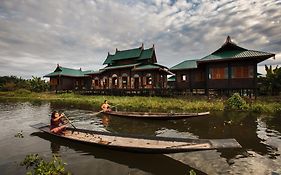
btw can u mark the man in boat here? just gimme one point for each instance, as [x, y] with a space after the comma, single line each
[105, 106]
[57, 124]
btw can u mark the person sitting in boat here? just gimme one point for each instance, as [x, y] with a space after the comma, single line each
[57, 124]
[105, 106]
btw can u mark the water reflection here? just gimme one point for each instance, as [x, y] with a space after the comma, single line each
[105, 121]
[55, 148]
[152, 163]
[238, 125]
[260, 137]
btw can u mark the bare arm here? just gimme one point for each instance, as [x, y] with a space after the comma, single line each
[56, 119]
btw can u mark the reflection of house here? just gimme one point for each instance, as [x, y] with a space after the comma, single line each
[69, 79]
[230, 68]
[130, 71]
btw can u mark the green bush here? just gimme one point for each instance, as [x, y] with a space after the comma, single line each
[257, 108]
[42, 167]
[12, 83]
[236, 102]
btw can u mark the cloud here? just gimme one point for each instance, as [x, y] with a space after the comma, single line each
[40, 34]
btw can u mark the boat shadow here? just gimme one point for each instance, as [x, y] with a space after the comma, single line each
[157, 164]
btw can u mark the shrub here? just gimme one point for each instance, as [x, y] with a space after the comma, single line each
[9, 86]
[236, 102]
[42, 167]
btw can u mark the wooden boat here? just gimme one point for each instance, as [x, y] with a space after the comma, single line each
[156, 115]
[140, 143]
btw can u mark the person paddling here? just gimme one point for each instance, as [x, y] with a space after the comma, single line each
[105, 106]
[57, 124]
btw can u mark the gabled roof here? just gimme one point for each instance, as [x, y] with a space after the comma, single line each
[146, 54]
[229, 46]
[63, 71]
[152, 66]
[137, 53]
[148, 66]
[230, 50]
[188, 64]
[119, 66]
[236, 54]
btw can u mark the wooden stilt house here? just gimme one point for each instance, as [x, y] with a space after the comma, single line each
[131, 71]
[230, 68]
[65, 79]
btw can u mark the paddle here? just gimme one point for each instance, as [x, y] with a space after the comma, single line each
[69, 121]
[98, 112]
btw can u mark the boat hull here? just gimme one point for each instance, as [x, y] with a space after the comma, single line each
[160, 116]
[140, 143]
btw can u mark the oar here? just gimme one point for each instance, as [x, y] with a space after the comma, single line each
[98, 112]
[69, 121]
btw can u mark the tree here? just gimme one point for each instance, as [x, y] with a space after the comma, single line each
[11, 83]
[271, 84]
[38, 85]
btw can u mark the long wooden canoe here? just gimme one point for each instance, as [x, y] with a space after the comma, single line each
[140, 143]
[155, 115]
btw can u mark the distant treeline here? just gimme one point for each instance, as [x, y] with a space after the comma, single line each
[271, 83]
[12, 83]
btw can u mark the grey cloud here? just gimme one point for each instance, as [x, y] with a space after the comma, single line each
[80, 33]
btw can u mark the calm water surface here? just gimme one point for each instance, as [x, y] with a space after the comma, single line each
[260, 137]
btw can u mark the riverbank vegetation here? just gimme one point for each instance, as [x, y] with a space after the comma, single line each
[136, 103]
[12, 83]
[36, 165]
[14, 88]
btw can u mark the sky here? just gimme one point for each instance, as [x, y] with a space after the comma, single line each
[36, 35]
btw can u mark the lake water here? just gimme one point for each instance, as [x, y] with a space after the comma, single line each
[260, 137]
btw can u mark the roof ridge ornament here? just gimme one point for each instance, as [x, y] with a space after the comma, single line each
[142, 45]
[116, 50]
[153, 46]
[228, 40]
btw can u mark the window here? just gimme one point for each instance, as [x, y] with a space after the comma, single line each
[218, 73]
[96, 82]
[124, 81]
[148, 79]
[114, 81]
[54, 81]
[242, 72]
[199, 76]
[183, 77]
[105, 82]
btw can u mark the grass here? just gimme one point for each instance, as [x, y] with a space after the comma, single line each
[155, 104]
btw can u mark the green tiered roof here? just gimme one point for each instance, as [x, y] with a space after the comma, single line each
[146, 54]
[148, 66]
[236, 54]
[230, 50]
[188, 64]
[63, 71]
[137, 53]
[118, 66]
